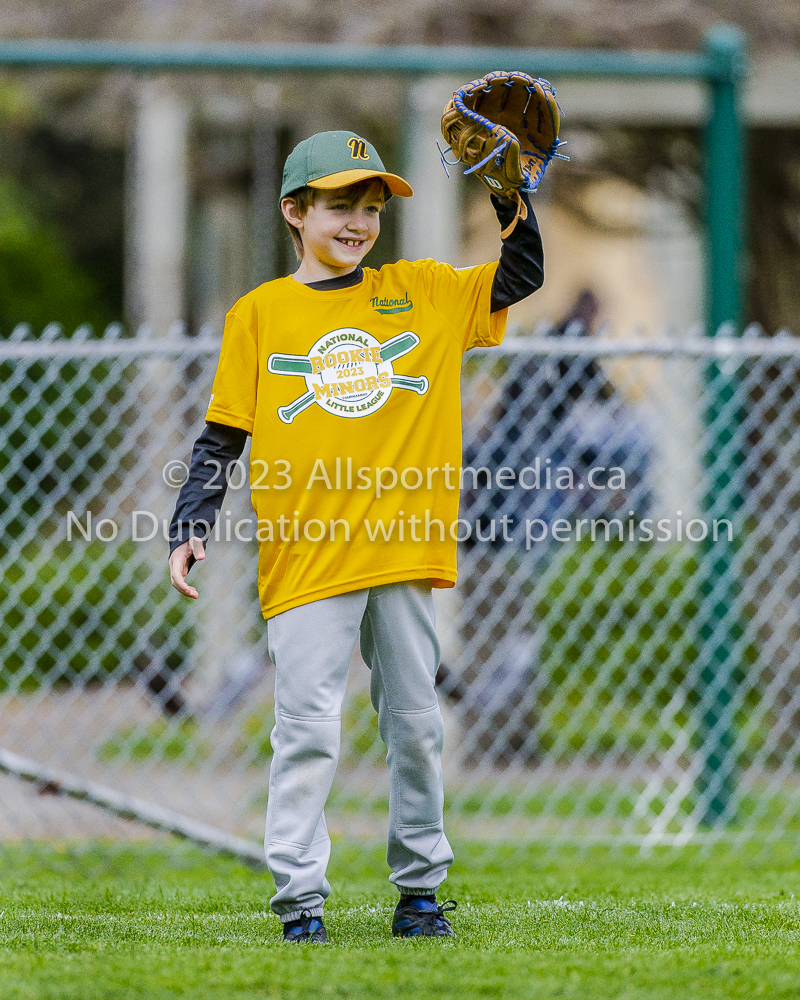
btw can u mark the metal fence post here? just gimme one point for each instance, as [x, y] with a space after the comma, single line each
[725, 48]
[718, 628]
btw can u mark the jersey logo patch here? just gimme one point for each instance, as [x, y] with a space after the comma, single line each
[348, 372]
[385, 306]
[358, 149]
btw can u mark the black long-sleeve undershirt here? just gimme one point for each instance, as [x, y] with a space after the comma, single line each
[520, 272]
[200, 499]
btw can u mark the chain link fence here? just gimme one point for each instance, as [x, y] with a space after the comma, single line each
[620, 657]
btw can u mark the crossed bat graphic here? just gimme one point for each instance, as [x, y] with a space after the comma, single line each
[299, 364]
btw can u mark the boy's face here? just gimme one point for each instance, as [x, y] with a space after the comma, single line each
[335, 233]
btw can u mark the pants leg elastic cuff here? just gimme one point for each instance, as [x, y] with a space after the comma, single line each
[294, 915]
[405, 891]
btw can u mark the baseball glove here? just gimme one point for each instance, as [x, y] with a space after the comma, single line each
[505, 128]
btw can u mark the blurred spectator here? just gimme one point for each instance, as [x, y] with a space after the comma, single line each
[563, 418]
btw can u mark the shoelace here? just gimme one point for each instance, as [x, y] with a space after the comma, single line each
[436, 918]
[305, 925]
[446, 907]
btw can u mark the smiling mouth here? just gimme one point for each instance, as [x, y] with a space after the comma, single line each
[355, 244]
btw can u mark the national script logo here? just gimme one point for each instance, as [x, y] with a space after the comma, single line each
[348, 372]
[385, 306]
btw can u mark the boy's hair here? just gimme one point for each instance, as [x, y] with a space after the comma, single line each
[305, 197]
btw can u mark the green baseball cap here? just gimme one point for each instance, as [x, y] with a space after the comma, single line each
[330, 160]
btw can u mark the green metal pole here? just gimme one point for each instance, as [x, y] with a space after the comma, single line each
[725, 48]
[718, 627]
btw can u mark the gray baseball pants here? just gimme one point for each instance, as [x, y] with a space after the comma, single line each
[311, 648]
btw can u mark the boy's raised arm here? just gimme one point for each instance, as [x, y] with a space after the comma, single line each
[521, 268]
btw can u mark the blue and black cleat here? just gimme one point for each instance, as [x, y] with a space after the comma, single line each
[307, 928]
[420, 916]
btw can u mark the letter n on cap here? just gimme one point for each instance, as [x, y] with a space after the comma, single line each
[358, 149]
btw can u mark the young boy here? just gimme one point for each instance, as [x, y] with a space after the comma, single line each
[348, 380]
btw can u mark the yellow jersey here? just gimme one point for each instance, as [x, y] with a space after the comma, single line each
[352, 397]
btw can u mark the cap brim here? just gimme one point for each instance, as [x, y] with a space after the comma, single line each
[346, 177]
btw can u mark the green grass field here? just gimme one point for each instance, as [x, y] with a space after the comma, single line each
[164, 922]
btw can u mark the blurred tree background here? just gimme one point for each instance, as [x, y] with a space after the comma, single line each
[61, 218]
[63, 136]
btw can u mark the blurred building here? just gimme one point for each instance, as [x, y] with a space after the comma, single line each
[204, 152]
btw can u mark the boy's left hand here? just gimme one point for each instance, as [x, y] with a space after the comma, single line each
[180, 562]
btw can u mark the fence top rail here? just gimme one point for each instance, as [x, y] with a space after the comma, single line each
[132, 347]
[310, 58]
[691, 347]
[546, 347]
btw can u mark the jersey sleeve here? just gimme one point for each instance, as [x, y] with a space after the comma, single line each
[233, 396]
[463, 296]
